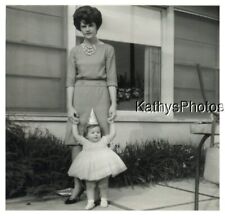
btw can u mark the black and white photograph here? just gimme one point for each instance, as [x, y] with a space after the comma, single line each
[112, 107]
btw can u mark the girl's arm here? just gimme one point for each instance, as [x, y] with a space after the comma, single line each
[77, 136]
[113, 106]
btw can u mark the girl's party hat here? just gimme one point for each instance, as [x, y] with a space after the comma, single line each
[92, 118]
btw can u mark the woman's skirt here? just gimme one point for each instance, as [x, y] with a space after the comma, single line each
[89, 94]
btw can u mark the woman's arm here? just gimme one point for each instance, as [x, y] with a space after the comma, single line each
[72, 113]
[69, 91]
[113, 106]
[111, 80]
[70, 80]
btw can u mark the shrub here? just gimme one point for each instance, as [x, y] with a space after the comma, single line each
[154, 161]
[37, 163]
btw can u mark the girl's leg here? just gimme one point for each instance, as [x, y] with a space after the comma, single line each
[103, 186]
[90, 188]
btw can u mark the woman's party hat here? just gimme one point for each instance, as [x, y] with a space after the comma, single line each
[92, 118]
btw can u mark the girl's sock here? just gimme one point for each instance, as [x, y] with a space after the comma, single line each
[104, 202]
[90, 205]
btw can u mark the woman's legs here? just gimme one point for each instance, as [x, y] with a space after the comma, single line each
[103, 186]
[77, 189]
[77, 182]
[90, 188]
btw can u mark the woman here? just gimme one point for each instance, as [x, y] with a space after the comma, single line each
[91, 82]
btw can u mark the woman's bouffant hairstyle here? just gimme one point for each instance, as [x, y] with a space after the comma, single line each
[88, 14]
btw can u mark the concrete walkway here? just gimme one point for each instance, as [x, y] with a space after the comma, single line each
[174, 195]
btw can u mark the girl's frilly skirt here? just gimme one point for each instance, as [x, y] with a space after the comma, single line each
[95, 164]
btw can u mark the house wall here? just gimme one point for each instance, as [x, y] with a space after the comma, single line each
[132, 126]
[174, 131]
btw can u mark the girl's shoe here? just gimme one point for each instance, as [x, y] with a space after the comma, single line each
[90, 205]
[104, 203]
[76, 199]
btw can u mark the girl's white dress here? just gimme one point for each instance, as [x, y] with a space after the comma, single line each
[96, 161]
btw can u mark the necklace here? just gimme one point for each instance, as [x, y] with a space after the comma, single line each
[88, 49]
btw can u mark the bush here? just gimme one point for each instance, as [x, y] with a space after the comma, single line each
[37, 163]
[154, 161]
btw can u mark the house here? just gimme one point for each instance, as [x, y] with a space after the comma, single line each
[159, 50]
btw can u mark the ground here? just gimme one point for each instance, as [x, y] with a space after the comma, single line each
[174, 195]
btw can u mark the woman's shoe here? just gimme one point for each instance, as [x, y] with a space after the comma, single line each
[71, 201]
[76, 199]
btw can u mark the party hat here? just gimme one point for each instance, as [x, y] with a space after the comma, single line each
[92, 118]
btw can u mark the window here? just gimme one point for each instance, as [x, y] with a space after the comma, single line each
[196, 42]
[35, 58]
[138, 71]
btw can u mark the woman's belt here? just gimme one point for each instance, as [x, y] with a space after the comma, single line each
[90, 82]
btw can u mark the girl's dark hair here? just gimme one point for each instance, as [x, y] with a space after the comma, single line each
[88, 127]
[89, 15]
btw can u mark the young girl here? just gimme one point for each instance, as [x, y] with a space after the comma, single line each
[96, 162]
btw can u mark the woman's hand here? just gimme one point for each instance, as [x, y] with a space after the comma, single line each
[112, 108]
[110, 121]
[73, 115]
[112, 130]
[112, 113]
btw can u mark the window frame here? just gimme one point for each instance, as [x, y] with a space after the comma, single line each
[27, 44]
